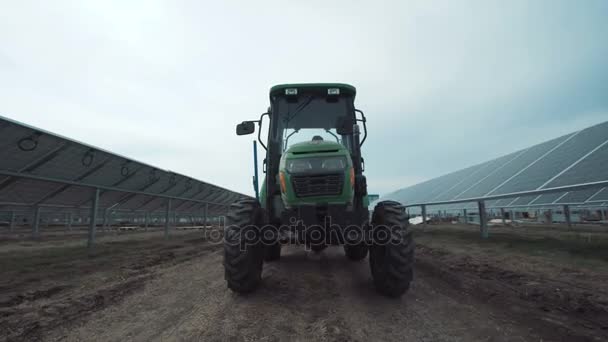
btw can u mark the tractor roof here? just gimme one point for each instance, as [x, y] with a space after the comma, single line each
[279, 89]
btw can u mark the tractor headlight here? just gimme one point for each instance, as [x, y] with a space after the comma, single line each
[316, 164]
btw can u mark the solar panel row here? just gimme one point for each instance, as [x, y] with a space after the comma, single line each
[39, 168]
[576, 158]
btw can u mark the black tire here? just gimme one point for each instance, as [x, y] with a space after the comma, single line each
[272, 252]
[356, 252]
[392, 263]
[243, 260]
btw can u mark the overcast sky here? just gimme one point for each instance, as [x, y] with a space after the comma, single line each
[444, 84]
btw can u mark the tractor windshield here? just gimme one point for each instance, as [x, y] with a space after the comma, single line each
[309, 115]
[292, 136]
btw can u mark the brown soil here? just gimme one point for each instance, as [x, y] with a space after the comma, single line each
[141, 287]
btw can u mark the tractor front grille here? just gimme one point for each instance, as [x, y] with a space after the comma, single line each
[318, 185]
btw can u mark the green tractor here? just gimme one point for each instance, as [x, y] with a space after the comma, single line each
[314, 192]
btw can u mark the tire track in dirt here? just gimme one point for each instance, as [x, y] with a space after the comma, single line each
[563, 312]
[303, 297]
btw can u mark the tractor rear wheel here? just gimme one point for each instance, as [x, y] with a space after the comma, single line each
[272, 252]
[243, 248]
[356, 252]
[391, 258]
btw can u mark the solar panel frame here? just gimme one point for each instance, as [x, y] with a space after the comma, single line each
[40, 168]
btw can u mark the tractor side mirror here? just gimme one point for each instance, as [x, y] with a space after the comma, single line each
[344, 126]
[245, 127]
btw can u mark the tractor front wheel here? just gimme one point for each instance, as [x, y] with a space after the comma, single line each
[391, 254]
[243, 248]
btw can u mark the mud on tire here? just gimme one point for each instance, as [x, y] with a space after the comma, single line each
[392, 262]
[243, 250]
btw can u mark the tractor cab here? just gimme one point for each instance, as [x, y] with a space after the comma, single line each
[306, 122]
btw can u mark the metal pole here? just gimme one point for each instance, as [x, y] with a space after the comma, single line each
[567, 216]
[206, 214]
[423, 207]
[255, 170]
[549, 216]
[36, 223]
[93, 219]
[502, 215]
[603, 213]
[483, 224]
[104, 223]
[11, 226]
[70, 221]
[167, 215]
[464, 213]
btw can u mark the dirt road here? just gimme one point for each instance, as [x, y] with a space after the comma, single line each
[180, 294]
[303, 298]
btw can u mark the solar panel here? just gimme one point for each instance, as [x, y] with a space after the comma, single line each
[512, 166]
[549, 198]
[600, 196]
[576, 196]
[39, 168]
[483, 172]
[573, 159]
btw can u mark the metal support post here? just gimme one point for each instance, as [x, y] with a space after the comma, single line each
[11, 225]
[423, 209]
[69, 223]
[206, 215]
[464, 214]
[93, 219]
[104, 224]
[167, 216]
[483, 224]
[603, 213]
[567, 216]
[502, 215]
[36, 223]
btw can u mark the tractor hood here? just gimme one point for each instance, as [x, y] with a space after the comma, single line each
[315, 146]
[316, 172]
